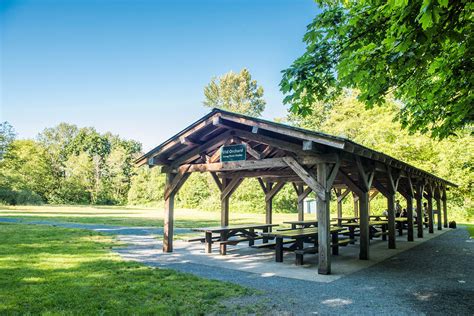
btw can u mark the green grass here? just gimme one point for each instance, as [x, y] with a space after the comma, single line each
[45, 270]
[470, 229]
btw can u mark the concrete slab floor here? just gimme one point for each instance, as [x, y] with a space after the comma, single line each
[147, 249]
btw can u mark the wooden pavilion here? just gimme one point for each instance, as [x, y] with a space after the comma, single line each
[313, 162]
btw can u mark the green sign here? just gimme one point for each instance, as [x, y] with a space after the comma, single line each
[233, 153]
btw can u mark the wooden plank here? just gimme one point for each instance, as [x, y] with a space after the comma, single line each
[324, 230]
[245, 165]
[409, 200]
[391, 221]
[306, 176]
[252, 152]
[262, 185]
[419, 208]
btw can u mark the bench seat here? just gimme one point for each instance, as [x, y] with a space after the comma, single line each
[238, 240]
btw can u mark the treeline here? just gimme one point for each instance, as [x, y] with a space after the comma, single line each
[66, 165]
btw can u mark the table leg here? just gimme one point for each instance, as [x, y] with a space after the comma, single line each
[335, 246]
[251, 241]
[384, 230]
[352, 234]
[208, 245]
[279, 249]
[223, 247]
[265, 239]
[293, 226]
[400, 228]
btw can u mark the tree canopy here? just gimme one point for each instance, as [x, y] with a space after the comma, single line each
[419, 51]
[235, 92]
[7, 135]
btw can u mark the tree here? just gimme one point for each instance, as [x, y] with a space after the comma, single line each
[235, 92]
[7, 135]
[449, 158]
[26, 167]
[420, 50]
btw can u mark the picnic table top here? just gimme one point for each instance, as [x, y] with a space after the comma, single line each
[300, 232]
[309, 221]
[218, 229]
[370, 223]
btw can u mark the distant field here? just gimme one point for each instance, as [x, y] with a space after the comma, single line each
[130, 216]
[137, 216]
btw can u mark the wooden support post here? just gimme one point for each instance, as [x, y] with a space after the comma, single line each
[169, 216]
[356, 204]
[409, 198]
[429, 199]
[225, 204]
[438, 208]
[364, 225]
[445, 210]
[300, 202]
[268, 205]
[419, 208]
[324, 250]
[391, 220]
[410, 218]
[172, 186]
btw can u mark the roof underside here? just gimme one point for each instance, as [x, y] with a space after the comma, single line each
[200, 143]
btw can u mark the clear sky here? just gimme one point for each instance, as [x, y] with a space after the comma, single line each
[138, 68]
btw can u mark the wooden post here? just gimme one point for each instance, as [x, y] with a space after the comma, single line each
[410, 217]
[445, 210]
[419, 208]
[391, 220]
[300, 203]
[224, 204]
[356, 204]
[339, 203]
[409, 198]
[438, 207]
[269, 206]
[429, 199]
[168, 216]
[364, 225]
[323, 211]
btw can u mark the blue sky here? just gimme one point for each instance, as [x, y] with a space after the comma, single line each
[138, 68]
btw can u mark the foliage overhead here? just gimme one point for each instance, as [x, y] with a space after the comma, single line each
[420, 51]
[235, 92]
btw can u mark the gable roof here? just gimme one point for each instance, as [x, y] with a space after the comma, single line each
[217, 122]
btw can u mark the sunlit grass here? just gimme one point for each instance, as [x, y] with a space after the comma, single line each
[52, 270]
[125, 216]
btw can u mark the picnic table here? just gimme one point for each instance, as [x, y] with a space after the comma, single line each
[305, 223]
[400, 222]
[297, 237]
[224, 233]
[353, 225]
[348, 219]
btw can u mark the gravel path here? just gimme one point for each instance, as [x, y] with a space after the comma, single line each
[434, 278]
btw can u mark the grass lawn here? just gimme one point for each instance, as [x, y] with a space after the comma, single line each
[470, 229]
[45, 270]
[129, 216]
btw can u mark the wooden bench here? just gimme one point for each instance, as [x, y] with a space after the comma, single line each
[239, 240]
[299, 254]
[272, 244]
